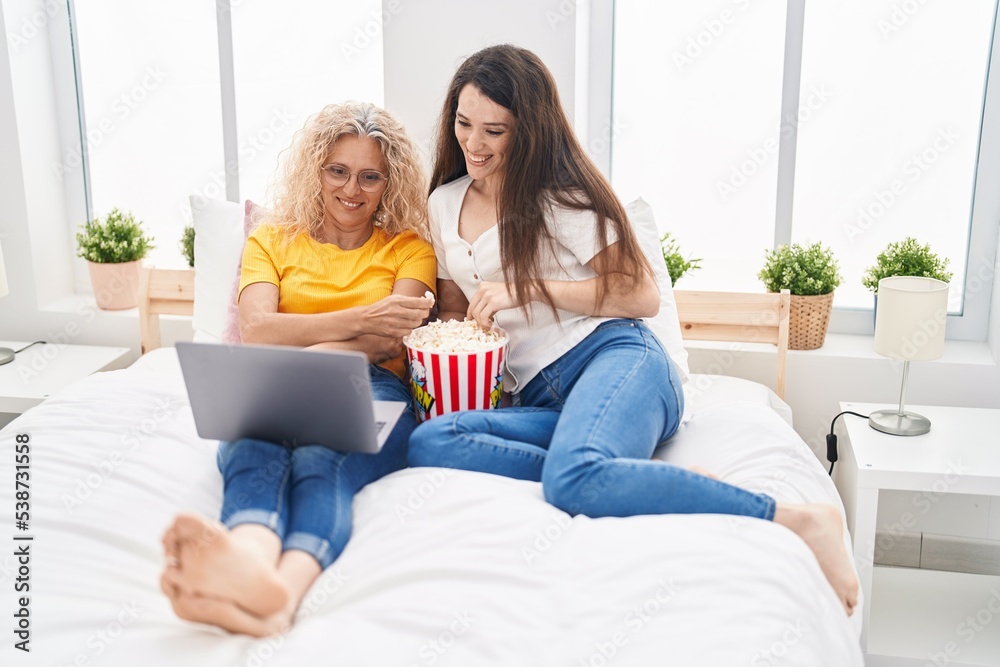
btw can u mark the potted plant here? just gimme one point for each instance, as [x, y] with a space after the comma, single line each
[114, 248]
[810, 273]
[187, 245]
[677, 265]
[906, 258]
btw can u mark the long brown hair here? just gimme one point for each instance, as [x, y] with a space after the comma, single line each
[545, 165]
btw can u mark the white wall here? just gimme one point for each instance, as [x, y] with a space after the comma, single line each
[424, 42]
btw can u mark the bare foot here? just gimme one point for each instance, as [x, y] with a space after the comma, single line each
[170, 547]
[216, 563]
[821, 529]
[225, 614]
[702, 471]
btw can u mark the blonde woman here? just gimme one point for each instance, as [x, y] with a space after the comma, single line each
[340, 262]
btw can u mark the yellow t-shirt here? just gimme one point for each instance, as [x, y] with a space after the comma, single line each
[314, 277]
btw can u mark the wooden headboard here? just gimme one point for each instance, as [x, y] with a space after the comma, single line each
[723, 316]
[162, 292]
[742, 317]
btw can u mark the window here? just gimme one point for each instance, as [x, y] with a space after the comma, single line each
[317, 53]
[697, 106]
[155, 123]
[883, 140]
[895, 152]
[151, 120]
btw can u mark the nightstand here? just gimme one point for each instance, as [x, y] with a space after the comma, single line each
[46, 368]
[917, 616]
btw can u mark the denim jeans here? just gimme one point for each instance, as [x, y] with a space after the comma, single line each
[586, 427]
[305, 494]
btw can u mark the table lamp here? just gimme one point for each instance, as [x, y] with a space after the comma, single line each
[910, 318]
[6, 354]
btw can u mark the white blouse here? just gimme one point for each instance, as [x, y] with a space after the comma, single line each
[536, 345]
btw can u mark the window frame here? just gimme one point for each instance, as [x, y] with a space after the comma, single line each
[72, 122]
[973, 321]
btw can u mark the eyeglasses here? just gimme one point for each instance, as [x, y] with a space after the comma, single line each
[369, 180]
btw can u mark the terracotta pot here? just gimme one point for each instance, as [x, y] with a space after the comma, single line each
[808, 319]
[116, 286]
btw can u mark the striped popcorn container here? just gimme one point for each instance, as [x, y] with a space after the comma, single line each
[443, 382]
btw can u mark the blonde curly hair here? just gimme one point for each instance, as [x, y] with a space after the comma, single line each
[297, 198]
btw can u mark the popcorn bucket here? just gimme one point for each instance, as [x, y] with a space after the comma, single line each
[443, 382]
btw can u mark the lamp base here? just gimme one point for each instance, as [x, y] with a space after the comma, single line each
[6, 355]
[893, 423]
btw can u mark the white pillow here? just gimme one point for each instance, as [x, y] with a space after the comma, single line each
[666, 325]
[218, 245]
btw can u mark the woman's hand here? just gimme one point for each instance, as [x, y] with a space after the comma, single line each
[396, 315]
[489, 299]
[380, 348]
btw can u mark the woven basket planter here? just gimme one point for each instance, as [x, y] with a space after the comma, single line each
[808, 318]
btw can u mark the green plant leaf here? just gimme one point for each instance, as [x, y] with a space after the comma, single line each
[116, 239]
[802, 270]
[677, 265]
[187, 245]
[906, 258]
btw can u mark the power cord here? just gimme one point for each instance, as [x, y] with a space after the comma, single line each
[831, 438]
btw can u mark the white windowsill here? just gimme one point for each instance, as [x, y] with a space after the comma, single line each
[854, 346]
[85, 304]
[836, 346]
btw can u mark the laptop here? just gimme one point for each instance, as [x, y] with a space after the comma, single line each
[286, 395]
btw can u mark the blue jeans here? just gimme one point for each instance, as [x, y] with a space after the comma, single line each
[586, 428]
[305, 494]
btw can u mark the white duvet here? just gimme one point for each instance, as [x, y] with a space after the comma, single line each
[444, 568]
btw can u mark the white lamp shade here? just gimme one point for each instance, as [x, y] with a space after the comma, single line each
[910, 318]
[3, 276]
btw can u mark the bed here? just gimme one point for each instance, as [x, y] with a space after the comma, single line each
[445, 567]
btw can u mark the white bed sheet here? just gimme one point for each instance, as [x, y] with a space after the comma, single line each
[444, 568]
